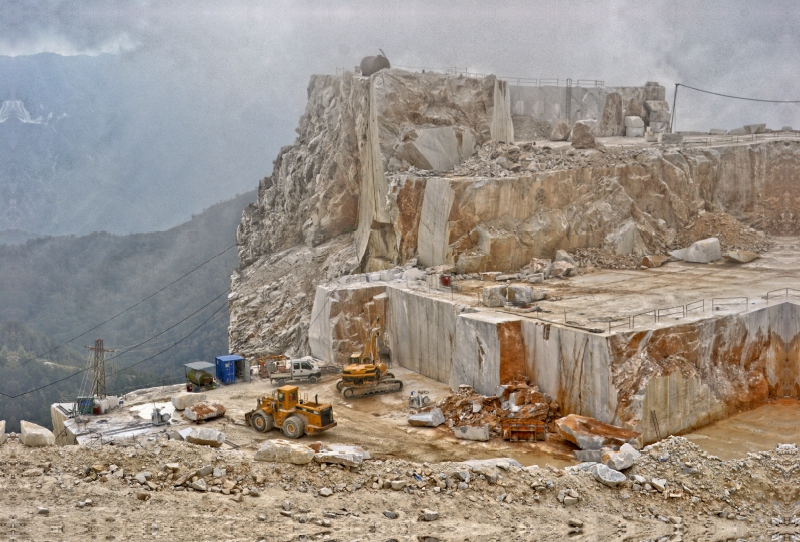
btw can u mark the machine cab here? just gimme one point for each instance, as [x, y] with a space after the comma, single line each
[287, 397]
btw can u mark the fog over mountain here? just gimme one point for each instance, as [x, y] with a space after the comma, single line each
[131, 116]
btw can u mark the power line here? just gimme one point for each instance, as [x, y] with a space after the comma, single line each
[137, 304]
[739, 97]
[176, 343]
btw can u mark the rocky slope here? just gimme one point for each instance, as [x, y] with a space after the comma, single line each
[674, 491]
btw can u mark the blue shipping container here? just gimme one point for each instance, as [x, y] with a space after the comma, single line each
[226, 368]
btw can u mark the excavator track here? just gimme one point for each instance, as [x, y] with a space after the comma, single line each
[384, 386]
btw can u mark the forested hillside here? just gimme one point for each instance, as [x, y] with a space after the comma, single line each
[53, 289]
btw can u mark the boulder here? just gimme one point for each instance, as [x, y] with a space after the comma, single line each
[582, 137]
[541, 266]
[437, 148]
[740, 256]
[591, 434]
[3, 435]
[561, 269]
[787, 129]
[432, 418]
[472, 432]
[413, 274]
[560, 131]
[184, 400]
[535, 278]
[738, 132]
[346, 460]
[651, 260]
[524, 295]
[284, 451]
[347, 449]
[204, 410]
[755, 128]
[494, 296]
[717, 131]
[36, 435]
[634, 122]
[622, 459]
[563, 256]
[608, 476]
[705, 251]
[490, 276]
[206, 436]
[671, 139]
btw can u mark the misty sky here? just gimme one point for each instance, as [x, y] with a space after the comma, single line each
[225, 82]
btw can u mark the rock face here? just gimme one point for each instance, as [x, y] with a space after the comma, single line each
[206, 436]
[204, 410]
[582, 137]
[333, 182]
[591, 434]
[284, 451]
[35, 435]
[184, 400]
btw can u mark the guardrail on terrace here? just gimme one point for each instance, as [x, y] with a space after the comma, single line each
[518, 81]
[727, 139]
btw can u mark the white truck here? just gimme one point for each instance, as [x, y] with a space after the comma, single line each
[294, 369]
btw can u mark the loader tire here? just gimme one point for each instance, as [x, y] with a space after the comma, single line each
[261, 421]
[294, 427]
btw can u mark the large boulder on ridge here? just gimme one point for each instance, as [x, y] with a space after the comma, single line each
[36, 435]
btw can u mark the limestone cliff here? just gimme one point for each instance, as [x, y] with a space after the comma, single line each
[404, 165]
[322, 212]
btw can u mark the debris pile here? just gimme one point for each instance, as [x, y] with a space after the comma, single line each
[732, 233]
[518, 400]
[605, 258]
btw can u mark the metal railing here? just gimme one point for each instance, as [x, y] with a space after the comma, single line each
[670, 311]
[729, 139]
[719, 303]
[788, 293]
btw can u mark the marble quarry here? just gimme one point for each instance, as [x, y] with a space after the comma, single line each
[689, 373]
[405, 170]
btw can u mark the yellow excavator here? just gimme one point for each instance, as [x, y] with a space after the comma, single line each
[366, 374]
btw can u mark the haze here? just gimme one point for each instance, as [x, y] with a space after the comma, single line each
[140, 114]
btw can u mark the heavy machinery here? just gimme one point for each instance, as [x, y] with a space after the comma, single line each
[367, 374]
[295, 416]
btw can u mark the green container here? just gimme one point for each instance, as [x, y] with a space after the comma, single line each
[85, 404]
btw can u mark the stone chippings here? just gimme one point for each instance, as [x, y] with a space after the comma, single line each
[674, 490]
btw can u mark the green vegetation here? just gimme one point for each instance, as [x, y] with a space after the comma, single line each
[55, 288]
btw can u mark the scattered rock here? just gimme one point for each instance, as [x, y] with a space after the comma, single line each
[206, 436]
[561, 269]
[346, 460]
[429, 418]
[325, 492]
[430, 515]
[622, 459]
[199, 485]
[284, 451]
[563, 256]
[659, 484]
[608, 476]
[652, 260]
[389, 514]
[42, 511]
[740, 256]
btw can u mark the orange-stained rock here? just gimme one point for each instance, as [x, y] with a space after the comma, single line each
[590, 434]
